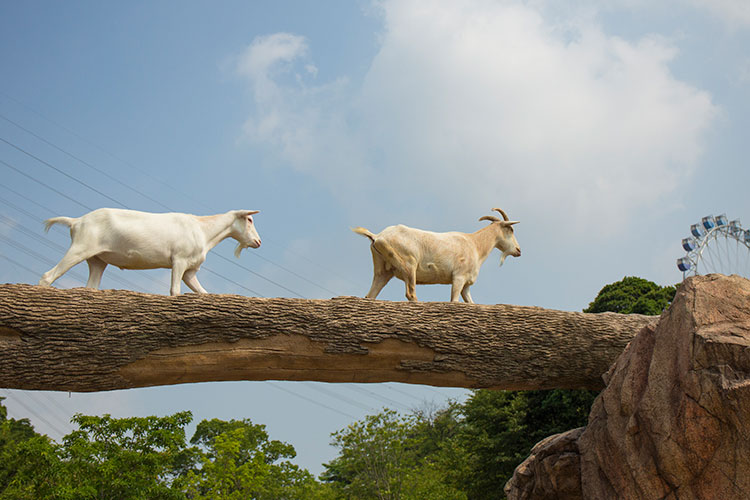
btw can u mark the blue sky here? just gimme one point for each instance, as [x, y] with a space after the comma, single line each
[606, 128]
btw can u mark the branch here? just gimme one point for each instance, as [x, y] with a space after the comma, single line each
[91, 340]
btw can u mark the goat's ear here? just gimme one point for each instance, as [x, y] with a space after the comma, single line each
[510, 222]
[245, 213]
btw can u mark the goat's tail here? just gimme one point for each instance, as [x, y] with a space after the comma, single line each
[68, 221]
[364, 232]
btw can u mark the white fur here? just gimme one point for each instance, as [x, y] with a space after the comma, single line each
[138, 240]
[423, 257]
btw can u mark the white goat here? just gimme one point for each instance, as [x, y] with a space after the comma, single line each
[422, 257]
[138, 240]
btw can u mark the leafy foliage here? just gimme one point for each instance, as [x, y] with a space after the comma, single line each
[133, 457]
[238, 461]
[28, 461]
[500, 428]
[375, 456]
[383, 458]
[148, 458]
[632, 295]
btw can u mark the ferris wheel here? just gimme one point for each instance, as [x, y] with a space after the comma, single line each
[716, 245]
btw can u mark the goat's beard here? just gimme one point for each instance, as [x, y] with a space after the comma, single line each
[237, 250]
[502, 258]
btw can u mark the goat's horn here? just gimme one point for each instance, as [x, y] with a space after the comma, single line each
[505, 216]
[489, 217]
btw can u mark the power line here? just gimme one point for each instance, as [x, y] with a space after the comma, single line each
[47, 409]
[377, 396]
[62, 410]
[317, 264]
[44, 420]
[340, 397]
[18, 264]
[294, 274]
[404, 393]
[15, 225]
[21, 210]
[94, 145]
[272, 384]
[260, 276]
[233, 282]
[71, 155]
[45, 185]
[62, 172]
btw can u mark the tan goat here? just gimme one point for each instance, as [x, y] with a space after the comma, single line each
[420, 257]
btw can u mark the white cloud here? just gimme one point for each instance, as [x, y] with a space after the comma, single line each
[303, 124]
[266, 52]
[490, 103]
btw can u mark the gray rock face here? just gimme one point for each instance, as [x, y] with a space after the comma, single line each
[674, 419]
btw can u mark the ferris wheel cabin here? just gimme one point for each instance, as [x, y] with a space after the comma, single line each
[683, 264]
[689, 244]
[697, 230]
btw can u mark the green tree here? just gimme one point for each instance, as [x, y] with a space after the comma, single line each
[442, 461]
[632, 295]
[389, 457]
[374, 457]
[148, 458]
[29, 464]
[500, 428]
[238, 461]
[124, 458]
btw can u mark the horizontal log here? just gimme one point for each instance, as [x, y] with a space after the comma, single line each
[94, 340]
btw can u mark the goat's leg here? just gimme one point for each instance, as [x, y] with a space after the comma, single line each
[379, 280]
[178, 269]
[457, 287]
[410, 280]
[75, 255]
[191, 280]
[380, 274]
[96, 269]
[466, 295]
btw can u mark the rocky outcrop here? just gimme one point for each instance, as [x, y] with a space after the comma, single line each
[674, 419]
[552, 471]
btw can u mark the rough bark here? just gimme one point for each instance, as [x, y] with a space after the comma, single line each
[91, 340]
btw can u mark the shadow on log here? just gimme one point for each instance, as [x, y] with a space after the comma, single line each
[91, 340]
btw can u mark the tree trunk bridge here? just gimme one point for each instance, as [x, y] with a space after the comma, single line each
[95, 340]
